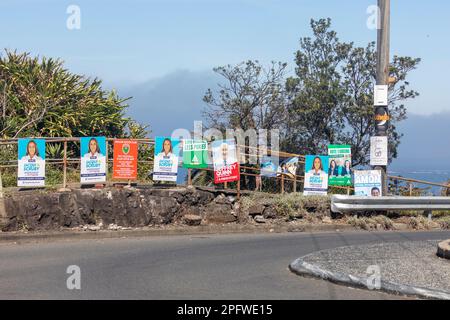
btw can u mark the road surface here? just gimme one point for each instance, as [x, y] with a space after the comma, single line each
[182, 267]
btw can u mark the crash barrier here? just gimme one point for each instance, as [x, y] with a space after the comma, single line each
[347, 204]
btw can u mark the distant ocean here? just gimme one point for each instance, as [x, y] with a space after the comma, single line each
[437, 176]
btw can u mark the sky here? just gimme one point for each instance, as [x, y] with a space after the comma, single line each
[131, 42]
[162, 52]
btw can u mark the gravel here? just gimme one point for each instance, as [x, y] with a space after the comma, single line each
[412, 264]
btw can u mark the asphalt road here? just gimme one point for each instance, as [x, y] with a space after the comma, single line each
[182, 267]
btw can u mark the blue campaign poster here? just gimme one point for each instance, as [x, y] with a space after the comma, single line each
[31, 163]
[166, 159]
[93, 159]
[316, 175]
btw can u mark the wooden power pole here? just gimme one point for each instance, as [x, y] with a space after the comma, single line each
[383, 47]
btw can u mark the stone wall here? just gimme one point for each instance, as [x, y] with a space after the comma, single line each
[41, 210]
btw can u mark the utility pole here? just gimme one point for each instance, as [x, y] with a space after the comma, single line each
[383, 46]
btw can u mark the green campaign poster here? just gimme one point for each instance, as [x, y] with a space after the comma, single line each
[195, 154]
[340, 165]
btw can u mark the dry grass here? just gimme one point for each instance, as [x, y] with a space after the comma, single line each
[291, 206]
[371, 223]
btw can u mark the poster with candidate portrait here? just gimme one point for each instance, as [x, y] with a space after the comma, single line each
[165, 166]
[340, 165]
[31, 163]
[195, 154]
[226, 165]
[93, 159]
[288, 168]
[368, 183]
[316, 176]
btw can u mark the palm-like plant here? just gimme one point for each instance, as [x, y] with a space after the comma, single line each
[39, 97]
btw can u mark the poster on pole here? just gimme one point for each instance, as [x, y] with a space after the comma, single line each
[368, 183]
[165, 167]
[340, 165]
[226, 165]
[195, 154]
[379, 151]
[125, 159]
[380, 96]
[93, 159]
[31, 163]
[316, 176]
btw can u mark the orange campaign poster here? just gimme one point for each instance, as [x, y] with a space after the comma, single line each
[125, 159]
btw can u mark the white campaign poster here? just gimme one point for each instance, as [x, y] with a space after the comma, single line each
[93, 159]
[31, 165]
[381, 95]
[379, 151]
[368, 183]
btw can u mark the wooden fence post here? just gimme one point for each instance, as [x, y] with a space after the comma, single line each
[282, 183]
[239, 189]
[65, 165]
[189, 177]
[3, 214]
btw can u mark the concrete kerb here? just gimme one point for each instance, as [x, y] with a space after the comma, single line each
[444, 249]
[305, 269]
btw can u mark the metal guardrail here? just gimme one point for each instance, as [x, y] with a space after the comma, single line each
[343, 204]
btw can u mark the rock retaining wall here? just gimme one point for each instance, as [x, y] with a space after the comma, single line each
[40, 210]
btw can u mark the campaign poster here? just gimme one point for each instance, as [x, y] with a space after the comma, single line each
[195, 154]
[93, 159]
[165, 166]
[316, 176]
[226, 165]
[288, 168]
[31, 163]
[368, 183]
[269, 167]
[125, 159]
[340, 165]
[379, 151]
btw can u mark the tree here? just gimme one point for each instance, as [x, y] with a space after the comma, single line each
[251, 97]
[38, 97]
[331, 96]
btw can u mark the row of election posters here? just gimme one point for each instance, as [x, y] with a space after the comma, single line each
[94, 164]
[93, 151]
[168, 155]
[193, 154]
[320, 171]
[332, 170]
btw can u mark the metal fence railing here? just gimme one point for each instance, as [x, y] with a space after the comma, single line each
[68, 160]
